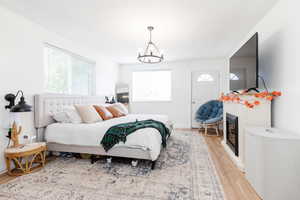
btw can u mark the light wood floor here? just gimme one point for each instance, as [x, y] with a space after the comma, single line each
[4, 178]
[236, 187]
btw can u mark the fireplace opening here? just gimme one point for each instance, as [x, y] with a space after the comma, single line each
[232, 133]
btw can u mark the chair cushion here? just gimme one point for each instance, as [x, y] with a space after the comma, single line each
[210, 110]
[213, 120]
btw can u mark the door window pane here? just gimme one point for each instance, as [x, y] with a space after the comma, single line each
[205, 78]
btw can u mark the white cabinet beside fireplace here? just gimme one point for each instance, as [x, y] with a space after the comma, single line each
[272, 166]
[258, 116]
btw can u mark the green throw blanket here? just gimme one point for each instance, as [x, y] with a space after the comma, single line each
[119, 132]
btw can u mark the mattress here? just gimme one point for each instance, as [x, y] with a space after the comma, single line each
[91, 134]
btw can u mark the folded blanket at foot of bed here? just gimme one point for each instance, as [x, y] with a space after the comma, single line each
[118, 133]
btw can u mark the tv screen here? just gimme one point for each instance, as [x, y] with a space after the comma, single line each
[244, 66]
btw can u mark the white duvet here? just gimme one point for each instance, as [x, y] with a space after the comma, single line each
[91, 134]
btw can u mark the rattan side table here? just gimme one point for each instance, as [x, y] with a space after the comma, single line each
[26, 158]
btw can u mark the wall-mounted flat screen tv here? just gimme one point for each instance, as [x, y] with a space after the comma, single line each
[244, 66]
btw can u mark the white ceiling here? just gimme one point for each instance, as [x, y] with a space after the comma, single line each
[184, 29]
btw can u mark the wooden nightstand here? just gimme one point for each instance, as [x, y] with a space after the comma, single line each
[26, 158]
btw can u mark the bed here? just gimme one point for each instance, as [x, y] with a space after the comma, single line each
[85, 138]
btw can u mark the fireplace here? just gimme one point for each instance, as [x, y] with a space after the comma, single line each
[232, 133]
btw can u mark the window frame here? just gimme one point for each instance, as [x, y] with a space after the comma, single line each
[152, 101]
[92, 84]
[233, 77]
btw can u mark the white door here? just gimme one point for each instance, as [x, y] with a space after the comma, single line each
[205, 87]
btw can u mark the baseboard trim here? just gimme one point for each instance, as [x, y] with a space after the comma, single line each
[181, 126]
[233, 157]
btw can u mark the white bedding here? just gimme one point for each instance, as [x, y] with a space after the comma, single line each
[91, 134]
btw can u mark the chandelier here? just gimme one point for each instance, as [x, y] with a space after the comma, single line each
[151, 54]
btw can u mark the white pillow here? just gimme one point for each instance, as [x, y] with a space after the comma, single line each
[122, 107]
[74, 116]
[61, 117]
[88, 113]
[68, 115]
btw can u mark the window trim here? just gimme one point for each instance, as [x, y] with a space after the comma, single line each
[151, 101]
[74, 55]
[46, 44]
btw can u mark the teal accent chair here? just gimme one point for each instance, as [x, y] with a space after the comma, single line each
[210, 115]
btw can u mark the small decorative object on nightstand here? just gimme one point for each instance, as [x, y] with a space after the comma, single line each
[26, 158]
[15, 132]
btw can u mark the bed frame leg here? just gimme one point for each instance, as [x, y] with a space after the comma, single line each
[94, 159]
[77, 155]
[153, 165]
[50, 153]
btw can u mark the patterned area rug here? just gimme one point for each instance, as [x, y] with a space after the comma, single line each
[184, 171]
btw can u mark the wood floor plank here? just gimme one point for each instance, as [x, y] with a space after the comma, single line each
[4, 178]
[235, 185]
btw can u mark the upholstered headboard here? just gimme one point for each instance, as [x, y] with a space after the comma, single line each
[47, 104]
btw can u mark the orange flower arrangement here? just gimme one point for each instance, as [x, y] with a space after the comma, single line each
[256, 103]
[262, 95]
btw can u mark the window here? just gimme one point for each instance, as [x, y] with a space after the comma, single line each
[68, 73]
[205, 78]
[234, 77]
[151, 86]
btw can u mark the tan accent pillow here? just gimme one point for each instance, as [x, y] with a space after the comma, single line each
[115, 111]
[103, 112]
[122, 108]
[88, 113]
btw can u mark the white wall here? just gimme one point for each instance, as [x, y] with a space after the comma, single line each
[106, 77]
[179, 109]
[21, 66]
[280, 60]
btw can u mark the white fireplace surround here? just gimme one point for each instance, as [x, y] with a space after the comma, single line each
[258, 116]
